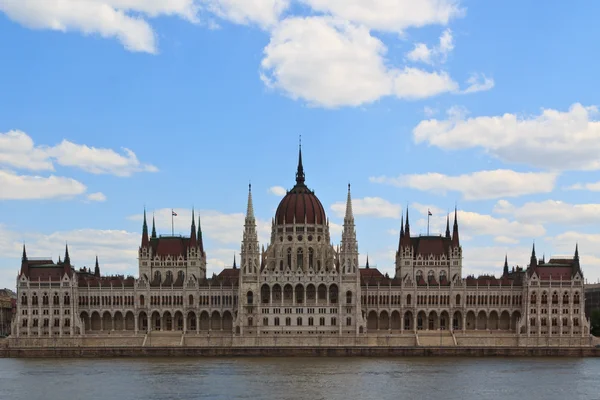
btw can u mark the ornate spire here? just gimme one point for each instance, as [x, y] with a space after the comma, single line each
[67, 258]
[300, 171]
[367, 266]
[576, 265]
[407, 226]
[24, 263]
[145, 240]
[533, 259]
[576, 250]
[234, 264]
[349, 218]
[250, 207]
[455, 238]
[193, 237]
[153, 227]
[200, 241]
[448, 226]
[97, 268]
[505, 271]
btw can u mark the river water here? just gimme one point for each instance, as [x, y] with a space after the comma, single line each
[300, 378]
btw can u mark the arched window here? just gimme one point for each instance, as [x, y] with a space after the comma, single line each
[24, 300]
[67, 299]
[566, 298]
[442, 275]
[419, 275]
[250, 321]
[576, 299]
[533, 298]
[56, 299]
[142, 300]
[544, 298]
[34, 299]
[191, 299]
[45, 299]
[458, 299]
[311, 256]
[408, 299]
[430, 275]
[555, 298]
[348, 297]
[250, 297]
[180, 276]
[289, 257]
[300, 259]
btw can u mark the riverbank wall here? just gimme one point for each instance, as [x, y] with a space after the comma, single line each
[108, 352]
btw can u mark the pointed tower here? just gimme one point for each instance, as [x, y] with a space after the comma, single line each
[455, 238]
[505, 270]
[193, 237]
[300, 171]
[250, 247]
[200, 240]
[349, 245]
[145, 240]
[67, 261]
[407, 227]
[153, 228]
[234, 263]
[576, 265]
[24, 263]
[367, 264]
[448, 226]
[97, 268]
[533, 262]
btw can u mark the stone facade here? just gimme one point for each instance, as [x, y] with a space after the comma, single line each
[301, 290]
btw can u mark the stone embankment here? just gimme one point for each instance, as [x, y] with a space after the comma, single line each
[94, 352]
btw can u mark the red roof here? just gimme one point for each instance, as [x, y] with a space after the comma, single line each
[300, 203]
[170, 245]
[435, 245]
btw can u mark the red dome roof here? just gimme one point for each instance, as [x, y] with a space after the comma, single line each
[300, 203]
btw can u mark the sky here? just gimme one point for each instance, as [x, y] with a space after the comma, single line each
[108, 107]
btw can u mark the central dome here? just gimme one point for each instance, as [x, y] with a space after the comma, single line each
[300, 203]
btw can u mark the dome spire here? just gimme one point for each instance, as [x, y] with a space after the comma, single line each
[300, 171]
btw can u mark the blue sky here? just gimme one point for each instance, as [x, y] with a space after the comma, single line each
[108, 106]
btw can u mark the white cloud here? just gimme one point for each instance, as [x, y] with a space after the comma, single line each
[221, 227]
[331, 63]
[370, 207]
[120, 19]
[277, 190]
[98, 160]
[505, 239]
[477, 185]
[265, 13]
[98, 196]
[552, 211]
[439, 53]
[490, 259]
[472, 224]
[556, 140]
[592, 187]
[429, 111]
[18, 150]
[391, 15]
[478, 83]
[24, 187]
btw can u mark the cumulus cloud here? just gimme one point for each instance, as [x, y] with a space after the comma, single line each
[18, 150]
[552, 211]
[472, 224]
[223, 228]
[477, 185]
[330, 62]
[592, 187]
[119, 19]
[277, 190]
[26, 187]
[391, 15]
[370, 207]
[439, 53]
[556, 140]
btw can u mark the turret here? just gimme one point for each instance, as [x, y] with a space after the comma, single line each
[505, 271]
[153, 228]
[533, 259]
[67, 261]
[193, 237]
[200, 240]
[145, 240]
[97, 268]
[455, 238]
[349, 254]
[576, 265]
[448, 226]
[24, 263]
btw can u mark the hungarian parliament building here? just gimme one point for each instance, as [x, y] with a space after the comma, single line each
[300, 290]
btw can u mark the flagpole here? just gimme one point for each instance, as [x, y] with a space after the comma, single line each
[172, 224]
[428, 214]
